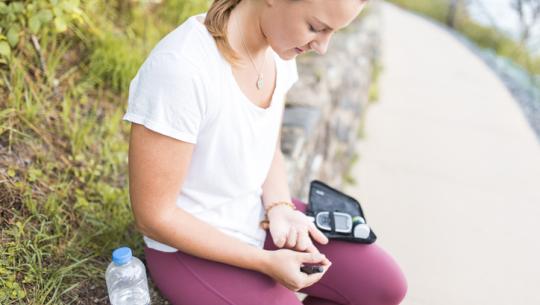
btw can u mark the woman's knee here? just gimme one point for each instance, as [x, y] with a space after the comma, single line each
[380, 279]
[395, 291]
[390, 290]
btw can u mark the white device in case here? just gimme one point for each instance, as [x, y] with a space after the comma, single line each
[343, 221]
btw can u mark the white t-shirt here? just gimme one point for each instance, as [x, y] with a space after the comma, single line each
[186, 90]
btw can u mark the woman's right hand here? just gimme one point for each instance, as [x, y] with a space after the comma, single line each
[283, 265]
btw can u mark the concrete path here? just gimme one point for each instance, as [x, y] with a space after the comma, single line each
[449, 172]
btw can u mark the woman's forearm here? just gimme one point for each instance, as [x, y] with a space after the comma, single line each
[185, 232]
[276, 187]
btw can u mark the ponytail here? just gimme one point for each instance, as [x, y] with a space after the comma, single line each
[216, 22]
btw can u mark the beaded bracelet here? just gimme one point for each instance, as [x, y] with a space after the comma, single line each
[273, 204]
[266, 223]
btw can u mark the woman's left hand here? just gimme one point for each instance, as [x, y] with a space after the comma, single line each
[292, 229]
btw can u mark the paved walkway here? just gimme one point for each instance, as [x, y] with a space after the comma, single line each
[449, 172]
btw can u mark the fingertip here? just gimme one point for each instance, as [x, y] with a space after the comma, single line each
[317, 257]
[323, 237]
[311, 248]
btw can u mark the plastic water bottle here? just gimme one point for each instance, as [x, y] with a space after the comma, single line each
[126, 279]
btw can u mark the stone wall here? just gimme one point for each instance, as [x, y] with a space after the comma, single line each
[325, 107]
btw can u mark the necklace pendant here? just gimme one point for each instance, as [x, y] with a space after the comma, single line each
[259, 82]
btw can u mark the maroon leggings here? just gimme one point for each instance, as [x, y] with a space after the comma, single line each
[361, 274]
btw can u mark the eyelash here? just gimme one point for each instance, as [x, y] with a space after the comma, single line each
[313, 29]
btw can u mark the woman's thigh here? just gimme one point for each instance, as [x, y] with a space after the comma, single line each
[361, 274]
[188, 280]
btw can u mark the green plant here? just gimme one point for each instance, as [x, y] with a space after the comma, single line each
[64, 200]
[19, 19]
[348, 176]
[373, 93]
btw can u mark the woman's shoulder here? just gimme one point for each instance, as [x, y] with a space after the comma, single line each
[188, 43]
[167, 67]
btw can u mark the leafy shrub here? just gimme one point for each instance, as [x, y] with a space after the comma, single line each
[18, 19]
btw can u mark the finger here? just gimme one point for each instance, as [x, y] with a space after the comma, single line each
[280, 242]
[312, 258]
[304, 242]
[317, 235]
[279, 237]
[291, 240]
[326, 263]
[312, 249]
[313, 278]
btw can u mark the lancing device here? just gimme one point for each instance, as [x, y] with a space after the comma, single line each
[311, 269]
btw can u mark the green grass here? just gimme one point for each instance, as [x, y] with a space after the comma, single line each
[436, 9]
[348, 176]
[373, 92]
[64, 201]
[373, 96]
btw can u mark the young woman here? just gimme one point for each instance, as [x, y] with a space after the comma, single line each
[205, 164]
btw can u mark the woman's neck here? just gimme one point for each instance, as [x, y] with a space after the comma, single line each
[245, 20]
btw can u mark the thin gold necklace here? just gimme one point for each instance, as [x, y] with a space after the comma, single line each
[260, 81]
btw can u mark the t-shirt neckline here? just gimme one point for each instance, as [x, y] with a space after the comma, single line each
[233, 81]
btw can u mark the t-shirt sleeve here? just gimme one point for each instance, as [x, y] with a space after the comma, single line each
[166, 95]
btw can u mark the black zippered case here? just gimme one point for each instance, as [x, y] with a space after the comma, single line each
[324, 198]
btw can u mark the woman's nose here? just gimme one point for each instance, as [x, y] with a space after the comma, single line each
[321, 45]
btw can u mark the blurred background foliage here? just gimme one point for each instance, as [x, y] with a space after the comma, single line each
[456, 14]
[65, 67]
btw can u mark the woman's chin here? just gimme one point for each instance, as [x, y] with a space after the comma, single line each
[287, 55]
[293, 53]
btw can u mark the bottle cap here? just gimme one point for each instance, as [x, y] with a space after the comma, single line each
[121, 256]
[358, 219]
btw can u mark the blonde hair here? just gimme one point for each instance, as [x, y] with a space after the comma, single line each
[216, 22]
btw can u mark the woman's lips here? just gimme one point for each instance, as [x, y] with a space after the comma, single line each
[299, 51]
